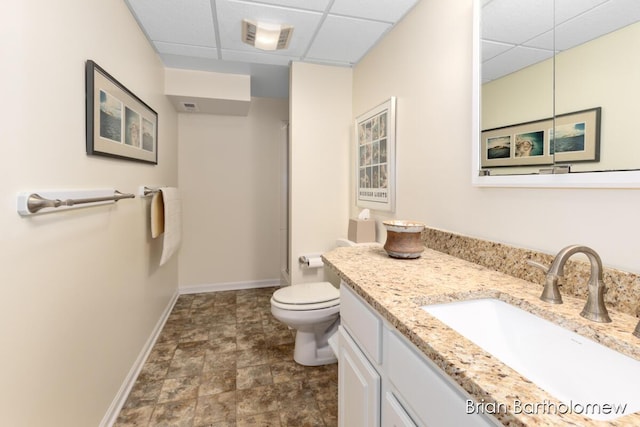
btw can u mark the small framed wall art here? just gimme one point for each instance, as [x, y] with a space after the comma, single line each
[576, 136]
[524, 144]
[375, 157]
[119, 124]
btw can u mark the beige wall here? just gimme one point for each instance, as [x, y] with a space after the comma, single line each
[81, 290]
[426, 62]
[321, 129]
[230, 171]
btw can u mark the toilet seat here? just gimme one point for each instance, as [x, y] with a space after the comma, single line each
[306, 296]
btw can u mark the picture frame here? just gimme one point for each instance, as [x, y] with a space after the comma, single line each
[118, 123]
[576, 136]
[577, 139]
[523, 144]
[375, 144]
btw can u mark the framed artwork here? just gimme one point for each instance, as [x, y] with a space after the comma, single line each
[572, 137]
[524, 144]
[576, 137]
[375, 157]
[119, 124]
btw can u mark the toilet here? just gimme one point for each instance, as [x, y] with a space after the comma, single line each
[313, 310]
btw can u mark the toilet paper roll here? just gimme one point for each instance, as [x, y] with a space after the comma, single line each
[314, 262]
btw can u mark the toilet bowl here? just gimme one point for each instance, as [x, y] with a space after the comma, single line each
[313, 310]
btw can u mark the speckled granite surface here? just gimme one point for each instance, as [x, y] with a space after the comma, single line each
[398, 288]
[623, 288]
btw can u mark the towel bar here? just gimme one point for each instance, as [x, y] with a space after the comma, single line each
[146, 191]
[31, 203]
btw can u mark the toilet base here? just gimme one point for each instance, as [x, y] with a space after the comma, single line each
[313, 349]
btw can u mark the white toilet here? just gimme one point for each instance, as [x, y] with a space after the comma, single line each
[313, 310]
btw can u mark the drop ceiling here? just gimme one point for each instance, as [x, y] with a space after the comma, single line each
[519, 33]
[205, 35]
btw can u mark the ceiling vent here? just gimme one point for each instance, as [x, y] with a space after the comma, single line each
[266, 36]
[190, 107]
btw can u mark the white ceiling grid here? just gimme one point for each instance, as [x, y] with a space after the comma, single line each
[519, 33]
[206, 34]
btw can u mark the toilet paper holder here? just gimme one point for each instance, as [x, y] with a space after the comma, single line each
[311, 260]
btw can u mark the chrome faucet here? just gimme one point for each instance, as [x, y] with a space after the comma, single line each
[594, 309]
[636, 332]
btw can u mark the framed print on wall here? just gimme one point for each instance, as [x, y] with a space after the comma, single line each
[119, 124]
[571, 137]
[524, 144]
[375, 157]
[576, 136]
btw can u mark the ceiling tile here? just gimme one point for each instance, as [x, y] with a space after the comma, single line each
[186, 50]
[345, 40]
[516, 21]
[191, 23]
[257, 57]
[490, 49]
[205, 64]
[512, 60]
[381, 10]
[568, 9]
[317, 5]
[542, 41]
[601, 20]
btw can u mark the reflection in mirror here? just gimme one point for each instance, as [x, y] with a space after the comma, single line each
[596, 72]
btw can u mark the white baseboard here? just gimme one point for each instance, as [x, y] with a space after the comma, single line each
[229, 286]
[118, 402]
[285, 278]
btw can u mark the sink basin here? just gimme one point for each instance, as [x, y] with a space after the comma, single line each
[590, 379]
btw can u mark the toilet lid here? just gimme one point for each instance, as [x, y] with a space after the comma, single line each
[308, 293]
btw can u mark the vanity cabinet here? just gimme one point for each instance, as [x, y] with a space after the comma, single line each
[384, 380]
[358, 386]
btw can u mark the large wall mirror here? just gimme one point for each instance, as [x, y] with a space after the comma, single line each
[559, 86]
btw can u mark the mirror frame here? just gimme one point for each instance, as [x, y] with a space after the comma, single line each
[614, 179]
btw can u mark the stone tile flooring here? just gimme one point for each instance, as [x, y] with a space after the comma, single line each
[223, 360]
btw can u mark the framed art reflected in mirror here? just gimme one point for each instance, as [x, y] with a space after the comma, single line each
[572, 137]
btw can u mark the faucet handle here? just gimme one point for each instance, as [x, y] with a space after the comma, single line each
[539, 265]
[551, 291]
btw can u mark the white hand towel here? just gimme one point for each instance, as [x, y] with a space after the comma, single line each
[172, 223]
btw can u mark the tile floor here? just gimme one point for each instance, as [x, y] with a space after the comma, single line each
[223, 360]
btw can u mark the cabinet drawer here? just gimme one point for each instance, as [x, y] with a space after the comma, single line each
[364, 325]
[433, 397]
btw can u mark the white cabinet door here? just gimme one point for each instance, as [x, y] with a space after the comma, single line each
[393, 414]
[359, 387]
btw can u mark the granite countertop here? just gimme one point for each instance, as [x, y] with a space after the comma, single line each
[397, 289]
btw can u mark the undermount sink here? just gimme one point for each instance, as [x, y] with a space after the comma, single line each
[582, 374]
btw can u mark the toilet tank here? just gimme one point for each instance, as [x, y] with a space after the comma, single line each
[344, 242]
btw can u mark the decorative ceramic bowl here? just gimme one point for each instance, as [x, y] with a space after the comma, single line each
[404, 239]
